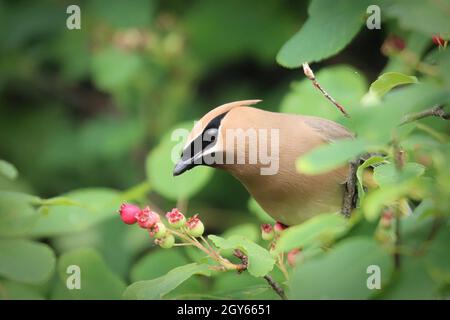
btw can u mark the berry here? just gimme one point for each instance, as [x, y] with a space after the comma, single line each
[175, 218]
[195, 227]
[147, 218]
[292, 257]
[437, 40]
[128, 213]
[386, 219]
[278, 227]
[167, 242]
[267, 232]
[159, 230]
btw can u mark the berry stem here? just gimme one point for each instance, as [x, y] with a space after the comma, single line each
[281, 265]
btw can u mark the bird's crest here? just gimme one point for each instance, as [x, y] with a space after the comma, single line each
[220, 110]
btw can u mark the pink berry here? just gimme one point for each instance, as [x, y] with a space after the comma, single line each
[195, 226]
[278, 227]
[147, 218]
[292, 257]
[175, 218]
[267, 232]
[386, 219]
[128, 213]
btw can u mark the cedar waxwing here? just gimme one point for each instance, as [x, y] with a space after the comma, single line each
[288, 196]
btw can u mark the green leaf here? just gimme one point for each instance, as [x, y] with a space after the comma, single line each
[97, 280]
[260, 261]
[26, 261]
[95, 205]
[259, 212]
[426, 16]
[438, 256]
[329, 28]
[17, 291]
[412, 282]
[389, 80]
[246, 230]
[8, 170]
[359, 173]
[160, 166]
[313, 232]
[17, 215]
[389, 112]
[137, 13]
[246, 287]
[156, 264]
[344, 83]
[378, 199]
[118, 243]
[388, 174]
[157, 288]
[330, 156]
[342, 272]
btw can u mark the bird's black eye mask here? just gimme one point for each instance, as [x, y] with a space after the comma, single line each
[192, 154]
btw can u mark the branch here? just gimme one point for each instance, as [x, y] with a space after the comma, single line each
[244, 263]
[310, 75]
[275, 287]
[350, 192]
[437, 111]
[399, 158]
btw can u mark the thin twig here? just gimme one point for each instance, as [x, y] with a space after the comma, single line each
[399, 158]
[276, 287]
[310, 75]
[183, 244]
[436, 111]
[244, 260]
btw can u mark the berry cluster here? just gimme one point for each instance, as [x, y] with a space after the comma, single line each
[179, 231]
[151, 221]
[272, 233]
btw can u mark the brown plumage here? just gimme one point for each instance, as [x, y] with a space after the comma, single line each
[288, 196]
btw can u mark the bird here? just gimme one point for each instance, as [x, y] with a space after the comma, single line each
[288, 196]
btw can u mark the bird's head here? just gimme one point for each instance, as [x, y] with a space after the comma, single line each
[205, 143]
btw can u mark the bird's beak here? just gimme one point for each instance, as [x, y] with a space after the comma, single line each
[182, 166]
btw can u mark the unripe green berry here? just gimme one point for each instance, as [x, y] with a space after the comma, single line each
[195, 227]
[167, 242]
[197, 230]
[159, 230]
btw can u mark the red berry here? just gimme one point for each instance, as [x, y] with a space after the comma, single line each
[147, 218]
[393, 44]
[437, 40]
[128, 213]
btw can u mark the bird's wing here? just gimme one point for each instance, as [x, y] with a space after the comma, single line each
[327, 129]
